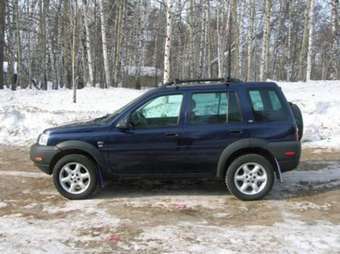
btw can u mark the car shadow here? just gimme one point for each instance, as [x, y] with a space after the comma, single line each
[137, 187]
[131, 188]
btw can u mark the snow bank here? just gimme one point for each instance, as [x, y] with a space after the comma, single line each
[25, 113]
[320, 105]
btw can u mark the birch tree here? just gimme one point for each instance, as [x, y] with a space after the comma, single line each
[304, 45]
[265, 40]
[2, 40]
[167, 47]
[251, 35]
[104, 45]
[88, 41]
[310, 38]
[335, 61]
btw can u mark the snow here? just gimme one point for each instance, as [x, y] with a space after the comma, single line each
[320, 105]
[26, 113]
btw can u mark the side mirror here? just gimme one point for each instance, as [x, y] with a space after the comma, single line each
[124, 123]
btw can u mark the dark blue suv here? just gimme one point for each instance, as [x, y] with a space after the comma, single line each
[244, 133]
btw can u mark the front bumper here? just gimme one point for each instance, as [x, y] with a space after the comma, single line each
[42, 156]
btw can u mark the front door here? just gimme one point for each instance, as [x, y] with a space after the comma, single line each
[151, 146]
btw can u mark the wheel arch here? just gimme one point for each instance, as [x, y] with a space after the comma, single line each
[242, 147]
[79, 147]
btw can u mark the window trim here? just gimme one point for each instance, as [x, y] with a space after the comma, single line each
[226, 92]
[155, 97]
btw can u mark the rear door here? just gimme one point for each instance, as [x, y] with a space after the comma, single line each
[270, 118]
[213, 121]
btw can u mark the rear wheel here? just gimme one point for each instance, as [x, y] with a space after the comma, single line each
[75, 176]
[250, 177]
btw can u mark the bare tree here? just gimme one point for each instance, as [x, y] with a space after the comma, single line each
[265, 40]
[310, 38]
[167, 50]
[2, 40]
[251, 36]
[104, 45]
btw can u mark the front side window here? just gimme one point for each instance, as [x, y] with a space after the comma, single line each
[162, 111]
[267, 105]
[214, 107]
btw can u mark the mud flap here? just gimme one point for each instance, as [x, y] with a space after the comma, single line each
[278, 171]
[100, 178]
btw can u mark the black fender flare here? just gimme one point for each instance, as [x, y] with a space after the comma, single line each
[249, 143]
[85, 147]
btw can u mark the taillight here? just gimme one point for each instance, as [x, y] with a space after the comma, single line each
[290, 154]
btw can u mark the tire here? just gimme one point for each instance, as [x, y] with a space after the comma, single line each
[237, 177]
[78, 171]
[298, 118]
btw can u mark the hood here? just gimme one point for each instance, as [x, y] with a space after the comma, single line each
[84, 126]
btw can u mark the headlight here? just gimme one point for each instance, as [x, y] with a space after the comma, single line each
[43, 139]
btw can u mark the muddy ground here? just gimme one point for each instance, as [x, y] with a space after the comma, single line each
[301, 215]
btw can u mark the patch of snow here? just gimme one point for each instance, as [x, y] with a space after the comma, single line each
[288, 236]
[23, 174]
[3, 205]
[58, 235]
[24, 114]
[320, 105]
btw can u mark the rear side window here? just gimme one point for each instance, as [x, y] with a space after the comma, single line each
[267, 105]
[214, 107]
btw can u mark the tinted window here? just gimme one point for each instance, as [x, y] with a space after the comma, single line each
[267, 105]
[162, 111]
[218, 107]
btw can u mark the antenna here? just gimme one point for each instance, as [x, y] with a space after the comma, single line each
[229, 47]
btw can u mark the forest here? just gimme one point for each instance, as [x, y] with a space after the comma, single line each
[51, 44]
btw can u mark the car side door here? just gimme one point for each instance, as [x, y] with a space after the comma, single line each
[150, 146]
[213, 121]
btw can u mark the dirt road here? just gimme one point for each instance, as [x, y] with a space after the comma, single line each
[301, 215]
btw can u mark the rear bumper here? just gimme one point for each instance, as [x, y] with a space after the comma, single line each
[42, 156]
[280, 150]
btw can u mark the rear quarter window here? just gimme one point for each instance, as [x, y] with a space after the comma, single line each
[267, 105]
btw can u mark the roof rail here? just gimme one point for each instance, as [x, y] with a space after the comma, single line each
[223, 80]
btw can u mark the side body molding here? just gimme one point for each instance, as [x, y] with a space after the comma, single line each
[248, 143]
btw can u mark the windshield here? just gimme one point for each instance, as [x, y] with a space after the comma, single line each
[108, 117]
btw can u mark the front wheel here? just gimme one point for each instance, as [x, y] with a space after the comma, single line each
[250, 177]
[74, 176]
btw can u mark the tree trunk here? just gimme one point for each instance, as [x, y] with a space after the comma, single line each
[310, 38]
[18, 43]
[74, 48]
[265, 41]
[289, 64]
[88, 42]
[167, 48]
[104, 45]
[335, 61]
[2, 40]
[235, 56]
[303, 50]
[251, 36]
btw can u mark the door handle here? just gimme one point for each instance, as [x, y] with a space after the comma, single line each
[171, 135]
[236, 132]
